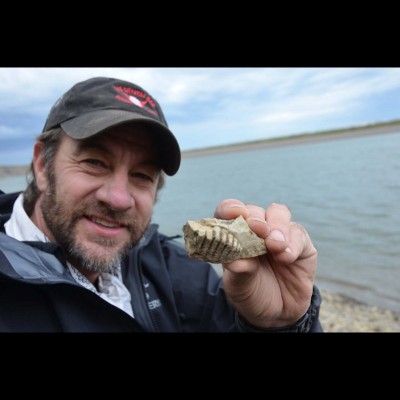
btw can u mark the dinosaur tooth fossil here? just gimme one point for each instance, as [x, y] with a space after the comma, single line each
[220, 241]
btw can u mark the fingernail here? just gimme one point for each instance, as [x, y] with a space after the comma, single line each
[258, 220]
[276, 235]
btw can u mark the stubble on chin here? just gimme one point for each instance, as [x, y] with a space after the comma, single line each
[92, 253]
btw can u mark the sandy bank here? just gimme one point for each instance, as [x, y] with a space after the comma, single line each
[373, 129]
[13, 170]
[377, 129]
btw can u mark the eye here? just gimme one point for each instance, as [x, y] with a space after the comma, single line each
[142, 176]
[93, 165]
[93, 161]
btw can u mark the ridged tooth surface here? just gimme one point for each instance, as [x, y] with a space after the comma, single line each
[220, 241]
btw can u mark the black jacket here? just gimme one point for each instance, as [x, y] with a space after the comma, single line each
[170, 291]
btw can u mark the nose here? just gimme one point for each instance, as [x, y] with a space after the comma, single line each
[116, 193]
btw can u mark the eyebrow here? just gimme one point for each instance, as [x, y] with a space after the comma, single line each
[88, 144]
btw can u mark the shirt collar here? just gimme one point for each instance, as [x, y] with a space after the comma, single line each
[21, 227]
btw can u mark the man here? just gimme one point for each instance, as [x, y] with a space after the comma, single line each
[78, 252]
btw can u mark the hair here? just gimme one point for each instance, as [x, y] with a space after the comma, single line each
[51, 141]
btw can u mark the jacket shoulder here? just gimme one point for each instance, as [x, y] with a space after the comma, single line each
[6, 206]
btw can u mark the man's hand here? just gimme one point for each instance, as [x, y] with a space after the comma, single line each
[272, 290]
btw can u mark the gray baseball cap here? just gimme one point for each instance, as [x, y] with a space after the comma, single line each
[92, 106]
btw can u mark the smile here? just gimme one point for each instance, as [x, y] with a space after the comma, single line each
[106, 223]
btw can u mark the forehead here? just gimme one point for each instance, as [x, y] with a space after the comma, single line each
[129, 135]
[137, 140]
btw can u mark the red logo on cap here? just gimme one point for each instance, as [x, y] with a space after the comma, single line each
[136, 97]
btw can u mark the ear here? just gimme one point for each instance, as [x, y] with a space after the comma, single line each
[39, 167]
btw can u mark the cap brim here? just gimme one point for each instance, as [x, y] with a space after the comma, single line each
[93, 123]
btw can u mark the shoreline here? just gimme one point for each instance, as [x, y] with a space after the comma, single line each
[293, 140]
[341, 313]
[7, 171]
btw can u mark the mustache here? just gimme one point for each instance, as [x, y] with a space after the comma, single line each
[102, 211]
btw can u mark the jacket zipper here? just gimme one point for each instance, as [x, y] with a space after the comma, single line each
[141, 311]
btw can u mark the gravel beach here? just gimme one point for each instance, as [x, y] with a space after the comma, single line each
[340, 313]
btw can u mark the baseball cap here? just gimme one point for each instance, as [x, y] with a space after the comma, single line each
[94, 105]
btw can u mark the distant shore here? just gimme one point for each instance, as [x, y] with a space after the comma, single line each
[323, 136]
[13, 170]
[304, 138]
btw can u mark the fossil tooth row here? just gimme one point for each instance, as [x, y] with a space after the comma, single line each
[221, 241]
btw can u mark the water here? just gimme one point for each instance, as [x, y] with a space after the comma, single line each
[13, 183]
[345, 192]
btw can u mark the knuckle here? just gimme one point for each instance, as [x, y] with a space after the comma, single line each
[281, 207]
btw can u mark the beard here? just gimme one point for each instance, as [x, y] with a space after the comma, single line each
[92, 253]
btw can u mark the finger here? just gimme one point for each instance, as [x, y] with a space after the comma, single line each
[295, 246]
[254, 215]
[300, 246]
[240, 266]
[230, 209]
[278, 220]
[257, 221]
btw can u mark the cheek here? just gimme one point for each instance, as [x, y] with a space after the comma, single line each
[144, 203]
[75, 187]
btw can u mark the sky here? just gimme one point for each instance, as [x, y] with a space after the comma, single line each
[210, 106]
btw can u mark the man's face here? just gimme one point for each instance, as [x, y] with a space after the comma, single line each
[99, 198]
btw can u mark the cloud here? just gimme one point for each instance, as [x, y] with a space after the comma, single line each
[211, 106]
[7, 131]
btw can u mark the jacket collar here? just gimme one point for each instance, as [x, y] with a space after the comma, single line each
[6, 207]
[34, 262]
